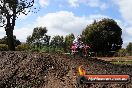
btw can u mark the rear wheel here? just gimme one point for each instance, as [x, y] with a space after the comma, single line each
[84, 53]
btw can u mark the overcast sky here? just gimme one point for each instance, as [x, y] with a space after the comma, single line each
[62, 17]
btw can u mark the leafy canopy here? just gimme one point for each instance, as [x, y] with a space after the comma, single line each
[103, 36]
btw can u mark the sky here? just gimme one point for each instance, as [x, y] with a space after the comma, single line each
[62, 17]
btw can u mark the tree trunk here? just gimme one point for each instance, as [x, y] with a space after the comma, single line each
[9, 32]
[10, 40]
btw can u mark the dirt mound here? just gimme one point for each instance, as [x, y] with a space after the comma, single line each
[40, 70]
[21, 69]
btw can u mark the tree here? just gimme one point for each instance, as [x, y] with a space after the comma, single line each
[29, 39]
[38, 34]
[38, 37]
[103, 36]
[68, 41]
[9, 11]
[129, 48]
[46, 39]
[57, 41]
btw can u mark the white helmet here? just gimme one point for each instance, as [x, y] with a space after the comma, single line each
[78, 37]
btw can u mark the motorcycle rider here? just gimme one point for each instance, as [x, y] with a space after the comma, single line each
[78, 42]
[80, 47]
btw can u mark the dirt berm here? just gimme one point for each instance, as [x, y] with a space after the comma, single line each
[40, 70]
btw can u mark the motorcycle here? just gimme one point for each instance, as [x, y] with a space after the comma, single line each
[82, 51]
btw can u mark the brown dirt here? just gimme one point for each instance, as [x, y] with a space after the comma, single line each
[40, 70]
[126, 58]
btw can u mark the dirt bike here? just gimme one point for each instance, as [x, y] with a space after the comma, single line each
[81, 51]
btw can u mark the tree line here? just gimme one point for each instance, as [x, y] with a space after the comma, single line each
[104, 37]
[39, 40]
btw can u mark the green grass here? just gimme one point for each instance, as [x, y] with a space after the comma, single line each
[122, 62]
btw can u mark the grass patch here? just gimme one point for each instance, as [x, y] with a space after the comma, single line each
[122, 62]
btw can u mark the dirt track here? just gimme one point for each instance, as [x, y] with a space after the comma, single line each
[39, 70]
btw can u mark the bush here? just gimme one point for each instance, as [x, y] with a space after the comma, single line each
[3, 47]
[23, 47]
[45, 49]
[122, 52]
[59, 52]
[35, 50]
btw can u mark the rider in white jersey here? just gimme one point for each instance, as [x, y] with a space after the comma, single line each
[77, 41]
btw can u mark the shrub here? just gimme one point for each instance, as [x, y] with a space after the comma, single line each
[59, 51]
[45, 49]
[23, 47]
[34, 50]
[122, 52]
[3, 47]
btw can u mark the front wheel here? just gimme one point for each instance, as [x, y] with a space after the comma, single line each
[86, 53]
